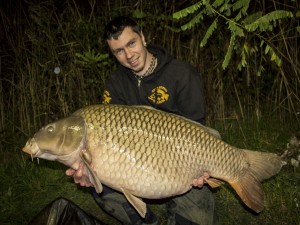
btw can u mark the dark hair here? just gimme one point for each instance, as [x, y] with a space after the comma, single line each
[115, 27]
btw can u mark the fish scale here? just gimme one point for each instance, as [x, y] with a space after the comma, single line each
[148, 153]
[184, 157]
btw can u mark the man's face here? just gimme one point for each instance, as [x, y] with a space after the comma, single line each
[129, 50]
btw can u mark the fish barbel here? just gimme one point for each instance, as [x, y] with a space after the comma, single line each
[148, 153]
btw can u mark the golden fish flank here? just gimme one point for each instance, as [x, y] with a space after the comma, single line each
[122, 145]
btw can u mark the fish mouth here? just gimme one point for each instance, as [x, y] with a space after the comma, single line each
[31, 148]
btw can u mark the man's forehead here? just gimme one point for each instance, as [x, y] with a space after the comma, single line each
[126, 36]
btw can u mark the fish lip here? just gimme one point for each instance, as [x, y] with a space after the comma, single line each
[31, 148]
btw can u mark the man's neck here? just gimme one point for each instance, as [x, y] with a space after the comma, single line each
[149, 57]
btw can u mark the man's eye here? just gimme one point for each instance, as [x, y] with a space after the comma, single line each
[118, 52]
[132, 44]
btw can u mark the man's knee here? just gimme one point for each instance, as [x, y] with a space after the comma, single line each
[115, 204]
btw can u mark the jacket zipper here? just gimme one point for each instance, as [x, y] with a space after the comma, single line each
[139, 80]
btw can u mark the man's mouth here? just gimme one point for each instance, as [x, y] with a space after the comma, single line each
[134, 63]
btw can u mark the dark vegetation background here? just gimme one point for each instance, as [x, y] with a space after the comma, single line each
[256, 106]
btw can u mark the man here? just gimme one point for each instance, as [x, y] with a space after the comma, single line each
[148, 75]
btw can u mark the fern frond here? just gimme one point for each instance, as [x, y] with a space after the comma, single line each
[173, 29]
[209, 10]
[237, 31]
[244, 54]
[191, 9]
[90, 57]
[251, 18]
[193, 22]
[242, 6]
[263, 23]
[274, 57]
[209, 32]
[226, 9]
[260, 70]
[218, 3]
[229, 52]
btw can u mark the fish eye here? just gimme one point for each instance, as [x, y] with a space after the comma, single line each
[50, 129]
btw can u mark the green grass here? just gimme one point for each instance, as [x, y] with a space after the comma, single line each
[282, 192]
[26, 186]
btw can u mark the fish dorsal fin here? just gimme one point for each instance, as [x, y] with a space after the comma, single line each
[214, 183]
[146, 107]
[209, 130]
[87, 159]
[136, 202]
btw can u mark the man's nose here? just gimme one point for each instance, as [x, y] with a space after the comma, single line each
[128, 53]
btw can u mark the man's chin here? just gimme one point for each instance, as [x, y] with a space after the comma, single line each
[136, 71]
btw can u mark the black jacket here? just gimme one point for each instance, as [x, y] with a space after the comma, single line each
[174, 86]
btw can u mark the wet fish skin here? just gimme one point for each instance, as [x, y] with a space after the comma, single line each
[148, 153]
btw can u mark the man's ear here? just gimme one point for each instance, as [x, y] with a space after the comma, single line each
[143, 39]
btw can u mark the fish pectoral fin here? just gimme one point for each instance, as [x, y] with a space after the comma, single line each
[214, 183]
[95, 181]
[86, 158]
[136, 202]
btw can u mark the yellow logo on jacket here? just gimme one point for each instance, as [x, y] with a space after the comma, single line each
[106, 97]
[159, 95]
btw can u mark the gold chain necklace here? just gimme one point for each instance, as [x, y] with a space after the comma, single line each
[150, 70]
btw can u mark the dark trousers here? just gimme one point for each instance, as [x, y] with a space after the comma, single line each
[63, 212]
[194, 207]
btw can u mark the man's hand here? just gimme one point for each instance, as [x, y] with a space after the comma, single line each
[80, 176]
[201, 180]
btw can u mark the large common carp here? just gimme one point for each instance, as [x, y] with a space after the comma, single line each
[147, 153]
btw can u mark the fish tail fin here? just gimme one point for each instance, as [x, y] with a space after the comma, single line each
[264, 165]
[261, 166]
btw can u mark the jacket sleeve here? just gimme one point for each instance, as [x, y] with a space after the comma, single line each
[190, 97]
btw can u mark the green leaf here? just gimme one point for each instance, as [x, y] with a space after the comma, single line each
[209, 10]
[237, 31]
[193, 22]
[90, 57]
[229, 52]
[251, 18]
[208, 33]
[274, 57]
[243, 61]
[242, 6]
[267, 49]
[264, 23]
[226, 9]
[218, 3]
[191, 9]
[138, 14]
[260, 70]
